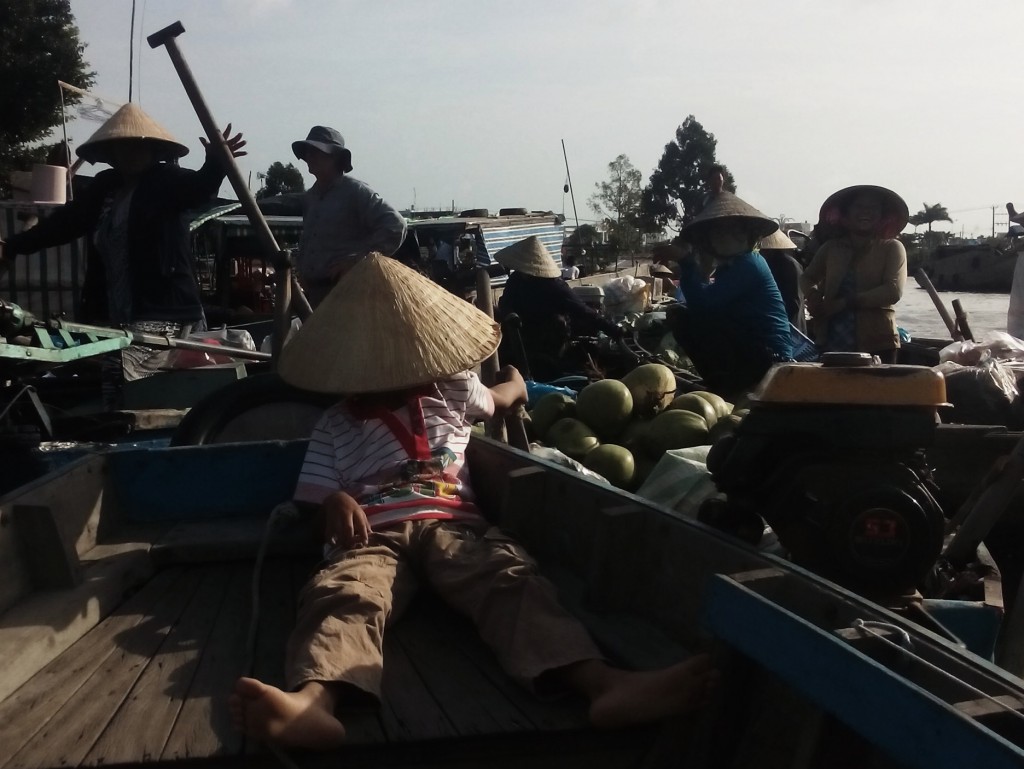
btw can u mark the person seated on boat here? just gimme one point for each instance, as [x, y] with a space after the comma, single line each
[855, 279]
[385, 470]
[734, 325]
[343, 219]
[778, 251]
[550, 312]
[140, 272]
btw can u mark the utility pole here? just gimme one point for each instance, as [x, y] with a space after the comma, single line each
[993, 221]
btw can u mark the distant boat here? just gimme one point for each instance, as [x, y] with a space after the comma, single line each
[971, 268]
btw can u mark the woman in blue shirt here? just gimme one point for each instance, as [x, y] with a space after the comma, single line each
[734, 324]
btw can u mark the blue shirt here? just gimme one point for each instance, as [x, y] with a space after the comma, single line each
[744, 295]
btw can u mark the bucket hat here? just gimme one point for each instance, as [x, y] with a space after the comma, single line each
[385, 327]
[529, 256]
[779, 241]
[895, 213]
[130, 123]
[727, 207]
[327, 140]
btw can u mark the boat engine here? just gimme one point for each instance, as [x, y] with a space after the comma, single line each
[832, 457]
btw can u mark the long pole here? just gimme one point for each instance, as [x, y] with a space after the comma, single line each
[572, 196]
[288, 291]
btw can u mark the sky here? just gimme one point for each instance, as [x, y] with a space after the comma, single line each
[469, 101]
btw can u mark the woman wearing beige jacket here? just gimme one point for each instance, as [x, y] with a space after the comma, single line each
[854, 280]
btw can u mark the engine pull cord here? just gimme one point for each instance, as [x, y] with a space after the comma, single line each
[286, 511]
[905, 645]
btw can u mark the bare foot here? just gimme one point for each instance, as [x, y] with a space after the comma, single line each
[302, 719]
[634, 697]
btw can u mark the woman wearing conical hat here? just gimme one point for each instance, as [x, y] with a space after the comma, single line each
[139, 267]
[734, 325]
[779, 251]
[855, 279]
[548, 308]
[385, 475]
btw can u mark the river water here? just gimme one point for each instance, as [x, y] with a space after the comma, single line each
[917, 314]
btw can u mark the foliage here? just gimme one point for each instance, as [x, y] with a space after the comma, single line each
[39, 45]
[584, 235]
[618, 201]
[677, 188]
[930, 214]
[281, 179]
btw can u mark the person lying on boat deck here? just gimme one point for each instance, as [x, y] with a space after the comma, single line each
[855, 279]
[550, 311]
[343, 219]
[778, 251]
[386, 469]
[139, 267]
[733, 326]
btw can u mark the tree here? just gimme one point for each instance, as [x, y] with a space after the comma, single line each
[280, 179]
[678, 186]
[39, 45]
[930, 214]
[618, 202]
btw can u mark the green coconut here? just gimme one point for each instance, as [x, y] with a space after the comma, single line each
[572, 437]
[726, 426]
[614, 462]
[653, 386]
[700, 406]
[548, 409]
[676, 429]
[605, 406]
[721, 405]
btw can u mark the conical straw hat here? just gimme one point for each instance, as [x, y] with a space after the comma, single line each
[386, 327]
[895, 213]
[779, 241]
[130, 122]
[727, 206]
[530, 256]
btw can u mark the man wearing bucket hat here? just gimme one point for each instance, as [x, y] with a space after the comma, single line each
[386, 471]
[139, 265]
[733, 327]
[855, 279]
[343, 219]
[549, 310]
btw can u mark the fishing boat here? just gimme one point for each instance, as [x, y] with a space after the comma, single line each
[967, 267]
[137, 585]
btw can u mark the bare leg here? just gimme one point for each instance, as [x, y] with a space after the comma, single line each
[302, 719]
[622, 697]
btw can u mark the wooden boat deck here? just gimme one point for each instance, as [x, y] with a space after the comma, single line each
[148, 685]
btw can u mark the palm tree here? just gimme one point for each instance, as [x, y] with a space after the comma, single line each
[930, 214]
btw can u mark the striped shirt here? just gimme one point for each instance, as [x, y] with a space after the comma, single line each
[404, 471]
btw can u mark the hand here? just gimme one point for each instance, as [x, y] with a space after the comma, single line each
[509, 375]
[233, 143]
[345, 521]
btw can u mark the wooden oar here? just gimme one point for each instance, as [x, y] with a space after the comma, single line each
[962, 321]
[510, 430]
[289, 295]
[925, 282]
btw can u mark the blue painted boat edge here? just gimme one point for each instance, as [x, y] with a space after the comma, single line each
[908, 722]
[226, 480]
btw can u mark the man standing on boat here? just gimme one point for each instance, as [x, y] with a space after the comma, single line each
[343, 219]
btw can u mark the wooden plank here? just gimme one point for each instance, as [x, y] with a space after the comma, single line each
[44, 624]
[409, 712]
[458, 634]
[53, 563]
[142, 725]
[233, 538]
[32, 706]
[69, 736]
[204, 726]
[77, 491]
[469, 700]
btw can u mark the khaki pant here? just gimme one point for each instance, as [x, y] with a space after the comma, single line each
[476, 569]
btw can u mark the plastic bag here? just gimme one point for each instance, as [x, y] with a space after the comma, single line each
[558, 458]
[992, 345]
[985, 394]
[625, 295]
[224, 337]
[268, 341]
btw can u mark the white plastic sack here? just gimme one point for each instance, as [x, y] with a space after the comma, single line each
[625, 295]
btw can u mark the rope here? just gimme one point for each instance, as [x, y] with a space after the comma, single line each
[283, 512]
[906, 648]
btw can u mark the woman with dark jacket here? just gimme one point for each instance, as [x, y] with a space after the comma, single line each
[549, 312]
[139, 266]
